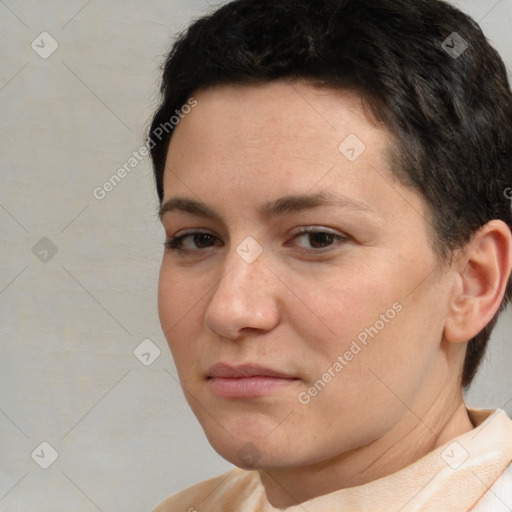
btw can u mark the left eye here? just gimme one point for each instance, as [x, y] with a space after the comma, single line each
[319, 239]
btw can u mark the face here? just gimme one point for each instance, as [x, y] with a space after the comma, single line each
[301, 296]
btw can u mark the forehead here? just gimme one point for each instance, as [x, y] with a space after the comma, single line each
[293, 125]
[279, 107]
[251, 143]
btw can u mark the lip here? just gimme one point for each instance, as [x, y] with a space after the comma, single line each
[245, 381]
[225, 370]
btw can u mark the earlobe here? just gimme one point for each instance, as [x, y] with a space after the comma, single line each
[483, 272]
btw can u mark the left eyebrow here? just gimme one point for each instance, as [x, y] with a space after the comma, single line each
[278, 207]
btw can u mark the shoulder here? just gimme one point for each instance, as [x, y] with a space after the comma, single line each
[227, 492]
[499, 497]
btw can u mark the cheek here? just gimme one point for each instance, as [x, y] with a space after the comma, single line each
[368, 316]
[178, 303]
[168, 306]
[388, 341]
[341, 305]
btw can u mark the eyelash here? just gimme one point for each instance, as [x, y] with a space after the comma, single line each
[174, 244]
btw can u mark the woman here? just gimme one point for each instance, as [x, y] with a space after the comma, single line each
[332, 179]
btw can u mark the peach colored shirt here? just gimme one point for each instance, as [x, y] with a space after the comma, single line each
[473, 472]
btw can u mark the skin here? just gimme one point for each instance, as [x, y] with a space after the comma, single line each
[303, 301]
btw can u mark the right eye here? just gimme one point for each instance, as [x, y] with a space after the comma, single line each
[200, 239]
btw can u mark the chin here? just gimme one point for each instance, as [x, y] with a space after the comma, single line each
[251, 450]
[254, 455]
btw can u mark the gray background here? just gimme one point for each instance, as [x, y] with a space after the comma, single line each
[71, 321]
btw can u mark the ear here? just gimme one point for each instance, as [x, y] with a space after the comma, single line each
[483, 271]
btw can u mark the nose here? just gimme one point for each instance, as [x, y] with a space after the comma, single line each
[244, 298]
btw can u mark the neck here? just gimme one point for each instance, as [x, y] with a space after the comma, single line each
[412, 438]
